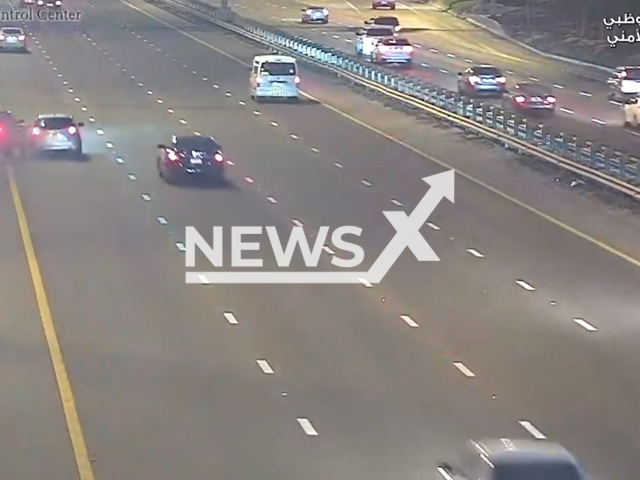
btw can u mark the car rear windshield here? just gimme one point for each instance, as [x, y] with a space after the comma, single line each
[12, 31]
[534, 89]
[278, 68]
[57, 123]
[387, 21]
[315, 8]
[633, 73]
[537, 471]
[401, 42]
[201, 144]
[493, 71]
[379, 32]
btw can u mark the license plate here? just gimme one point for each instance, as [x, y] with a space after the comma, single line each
[536, 99]
[196, 161]
[11, 39]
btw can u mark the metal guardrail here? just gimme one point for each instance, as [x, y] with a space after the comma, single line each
[597, 162]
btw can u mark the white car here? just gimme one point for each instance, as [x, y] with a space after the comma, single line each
[393, 51]
[12, 39]
[369, 38]
[56, 132]
[624, 82]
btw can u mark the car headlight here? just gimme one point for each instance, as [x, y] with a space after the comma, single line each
[325, 11]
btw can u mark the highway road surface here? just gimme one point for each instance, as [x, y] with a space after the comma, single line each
[526, 328]
[448, 45]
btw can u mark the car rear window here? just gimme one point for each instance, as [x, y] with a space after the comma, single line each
[278, 68]
[315, 8]
[12, 31]
[201, 144]
[487, 71]
[387, 21]
[401, 42]
[55, 123]
[633, 73]
[536, 471]
[534, 89]
[379, 32]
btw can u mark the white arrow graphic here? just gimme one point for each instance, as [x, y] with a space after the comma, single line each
[407, 236]
[408, 227]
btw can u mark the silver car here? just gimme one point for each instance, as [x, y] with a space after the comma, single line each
[498, 459]
[56, 133]
[12, 39]
[315, 15]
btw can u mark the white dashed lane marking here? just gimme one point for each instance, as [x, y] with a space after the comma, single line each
[270, 199]
[146, 197]
[180, 246]
[131, 176]
[231, 318]
[365, 282]
[529, 427]
[265, 367]
[396, 202]
[162, 221]
[584, 324]
[433, 226]
[464, 369]
[525, 285]
[307, 427]
[409, 321]
[475, 253]
[328, 250]
[296, 222]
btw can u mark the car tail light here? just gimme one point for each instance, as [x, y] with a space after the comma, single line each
[296, 79]
[407, 49]
[383, 48]
[36, 131]
[218, 157]
[73, 130]
[22, 38]
[501, 80]
[172, 156]
[551, 99]
[473, 79]
[259, 80]
[520, 99]
[623, 74]
[2, 37]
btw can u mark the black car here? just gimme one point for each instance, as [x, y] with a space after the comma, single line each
[190, 156]
[482, 80]
[391, 22]
[533, 97]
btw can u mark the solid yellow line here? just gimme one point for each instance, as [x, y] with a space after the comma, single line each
[78, 443]
[568, 228]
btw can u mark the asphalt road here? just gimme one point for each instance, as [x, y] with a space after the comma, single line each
[449, 45]
[168, 385]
